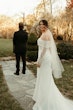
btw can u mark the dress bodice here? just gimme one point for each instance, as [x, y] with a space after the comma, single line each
[43, 43]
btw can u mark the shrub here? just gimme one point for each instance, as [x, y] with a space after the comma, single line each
[59, 37]
[65, 50]
[31, 55]
[32, 40]
[32, 47]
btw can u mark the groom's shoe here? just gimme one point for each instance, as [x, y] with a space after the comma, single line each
[16, 73]
[23, 72]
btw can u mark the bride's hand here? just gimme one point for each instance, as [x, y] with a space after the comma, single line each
[38, 65]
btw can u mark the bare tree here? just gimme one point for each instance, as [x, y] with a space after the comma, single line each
[51, 6]
[44, 6]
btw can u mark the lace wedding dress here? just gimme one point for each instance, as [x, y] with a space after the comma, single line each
[46, 94]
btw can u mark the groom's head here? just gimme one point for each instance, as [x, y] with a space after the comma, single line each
[21, 25]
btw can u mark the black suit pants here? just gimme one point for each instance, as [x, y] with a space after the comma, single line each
[18, 56]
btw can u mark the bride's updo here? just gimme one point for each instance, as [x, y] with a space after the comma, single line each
[44, 22]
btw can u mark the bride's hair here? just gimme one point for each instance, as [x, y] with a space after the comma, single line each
[44, 22]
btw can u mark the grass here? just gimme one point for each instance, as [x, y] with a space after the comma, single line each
[65, 84]
[7, 101]
[6, 47]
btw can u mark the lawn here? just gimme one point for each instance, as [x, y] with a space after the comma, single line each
[7, 101]
[65, 84]
[6, 48]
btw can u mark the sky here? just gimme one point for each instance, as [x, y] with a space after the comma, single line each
[12, 7]
[59, 5]
[15, 7]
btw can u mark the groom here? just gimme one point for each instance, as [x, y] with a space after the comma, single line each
[19, 47]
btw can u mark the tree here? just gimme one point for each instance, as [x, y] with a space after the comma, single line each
[7, 26]
[44, 8]
[69, 11]
[70, 4]
[30, 19]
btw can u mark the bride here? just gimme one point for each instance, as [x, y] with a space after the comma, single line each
[46, 94]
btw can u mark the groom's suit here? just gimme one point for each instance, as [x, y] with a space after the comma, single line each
[19, 48]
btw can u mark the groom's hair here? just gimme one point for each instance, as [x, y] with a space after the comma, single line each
[21, 25]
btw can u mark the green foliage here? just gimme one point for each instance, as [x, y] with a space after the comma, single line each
[65, 50]
[32, 47]
[32, 39]
[32, 55]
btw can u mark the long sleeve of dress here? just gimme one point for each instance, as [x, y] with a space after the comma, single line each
[39, 60]
[44, 45]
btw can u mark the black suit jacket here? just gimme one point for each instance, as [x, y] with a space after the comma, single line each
[19, 42]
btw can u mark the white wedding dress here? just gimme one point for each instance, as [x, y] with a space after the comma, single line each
[46, 94]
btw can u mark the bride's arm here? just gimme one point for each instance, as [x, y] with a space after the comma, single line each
[40, 58]
[45, 38]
